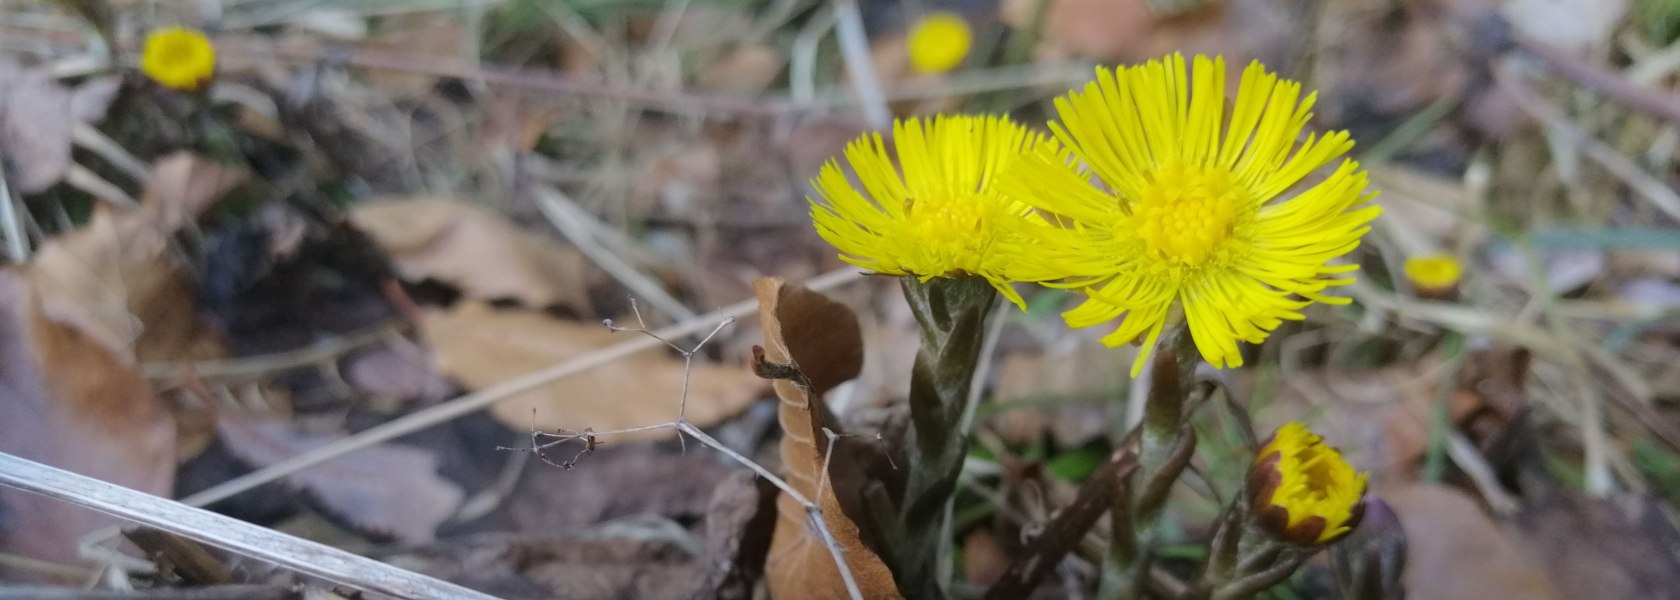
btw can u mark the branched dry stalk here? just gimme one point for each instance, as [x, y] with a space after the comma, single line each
[541, 441]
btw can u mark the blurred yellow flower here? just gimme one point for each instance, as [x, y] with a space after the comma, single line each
[1192, 217]
[935, 214]
[178, 58]
[1303, 491]
[1433, 275]
[939, 42]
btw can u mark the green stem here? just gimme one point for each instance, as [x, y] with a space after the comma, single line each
[1166, 446]
[952, 313]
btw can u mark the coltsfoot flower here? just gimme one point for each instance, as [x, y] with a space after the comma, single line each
[1434, 276]
[178, 58]
[937, 212]
[1193, 216]
[939, 42]
[1302, 491]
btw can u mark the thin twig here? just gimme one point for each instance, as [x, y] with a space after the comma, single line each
[90, 137]
[253, 367]
[231, 534]
[1645, 99]
[476, 401]
[17, 243]
[854, 50]
[1642, 183]
[566, 216]
[813, 511]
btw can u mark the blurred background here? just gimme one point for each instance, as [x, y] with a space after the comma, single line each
[389, 208]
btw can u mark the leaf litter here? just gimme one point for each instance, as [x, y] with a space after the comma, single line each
[682, 163]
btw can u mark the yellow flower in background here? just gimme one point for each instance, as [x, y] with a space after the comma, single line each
[1303, 491]
[939, 42]
[1434, 275]
[178, 58]
[1194, 216]
[936, 213]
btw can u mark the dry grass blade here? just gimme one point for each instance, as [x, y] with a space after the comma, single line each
[812, 344]
[224, 532]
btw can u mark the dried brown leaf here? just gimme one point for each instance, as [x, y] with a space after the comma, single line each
[821, 339]
[389, 489]
[36, 115]
[1454, 551]
[69, 401]
[481, 346]
[74, 325]
[475, 250]
[1603, 548]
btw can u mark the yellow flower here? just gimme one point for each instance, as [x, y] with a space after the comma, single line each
[179, 58]
[939, 42]
[1193, 216]
[1434, 275]
[1303, 492]
[941, 216]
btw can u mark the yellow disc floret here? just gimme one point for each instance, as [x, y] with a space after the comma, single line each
[936, 213]
[178, 58]
[1190, 210]
[939, 42]
[1304, 491]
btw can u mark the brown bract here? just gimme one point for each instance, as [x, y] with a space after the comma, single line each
[820, 339]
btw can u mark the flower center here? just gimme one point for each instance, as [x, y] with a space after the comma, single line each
[1186, 214]
[953, 227]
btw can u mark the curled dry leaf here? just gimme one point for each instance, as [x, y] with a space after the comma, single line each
[481, 346]
[476, 250]
[389, 489]
[818, 339]
[74, 325]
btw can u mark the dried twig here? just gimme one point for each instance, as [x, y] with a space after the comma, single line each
[567, 217]
[1642, 183]
[854, 50]
[227, 533]
[17, 242]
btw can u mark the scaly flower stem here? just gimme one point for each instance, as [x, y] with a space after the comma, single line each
[1166, 448]
[952, 313]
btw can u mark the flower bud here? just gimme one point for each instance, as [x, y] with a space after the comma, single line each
[179, 58]
[1302, 491]
[1369, 562]
[939, 42]
[1434, 276]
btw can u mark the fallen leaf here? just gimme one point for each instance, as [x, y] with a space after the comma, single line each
[481, 346]
[1454, 551]
[75, 322]
[389, 489]
[36, 115]
[635, 557]
[1603, 548]
[820, 339]
[68, 401]
[476, 250]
